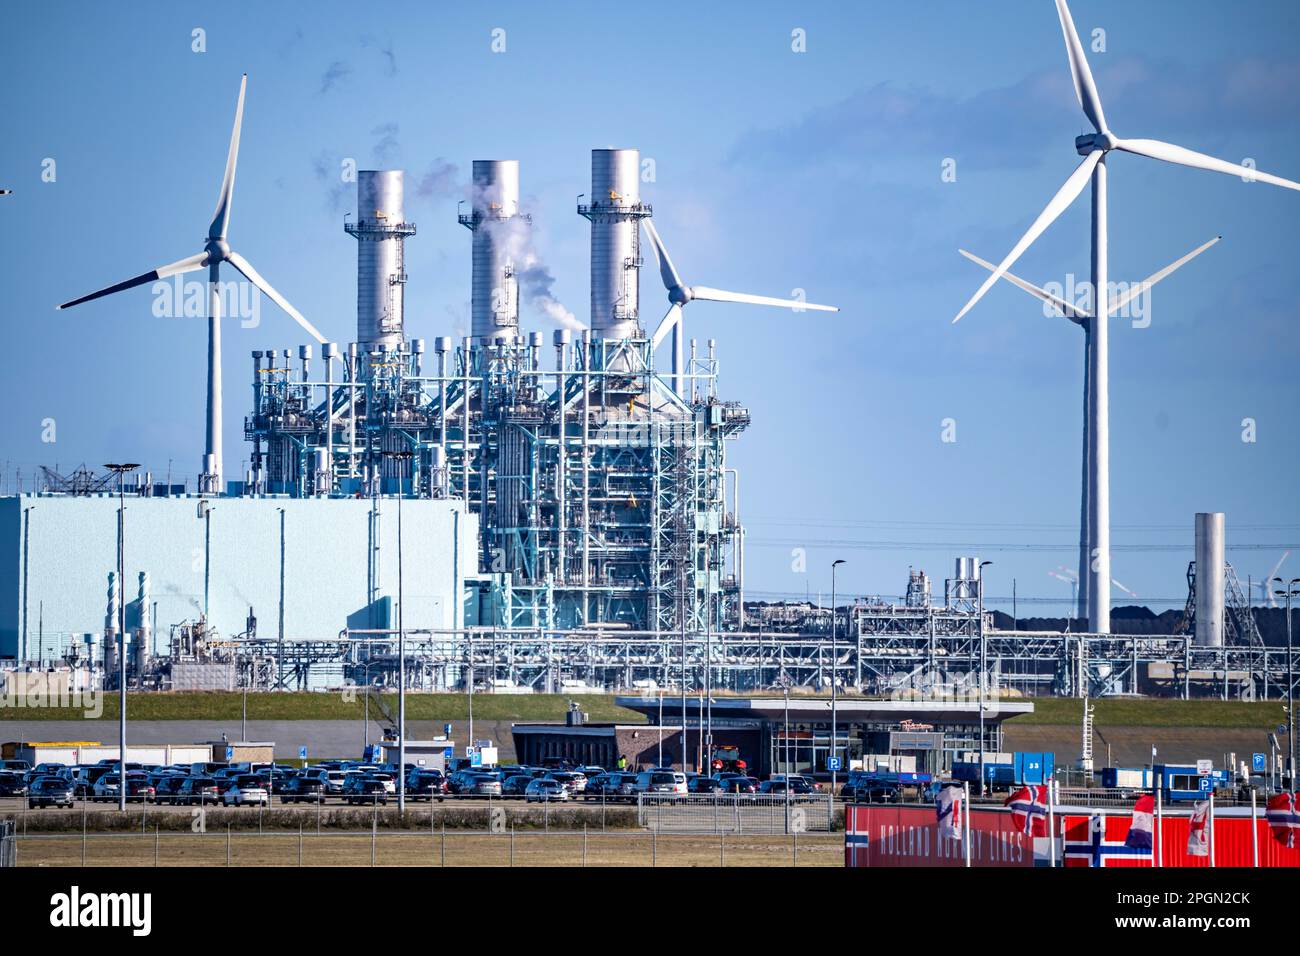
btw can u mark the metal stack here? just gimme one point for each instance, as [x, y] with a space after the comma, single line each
[601, 493]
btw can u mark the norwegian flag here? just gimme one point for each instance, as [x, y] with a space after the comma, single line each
[948, 809]
[1100, 841]
[1283, 816]
[1029, 810]
[1144, 824]
[1198, 832]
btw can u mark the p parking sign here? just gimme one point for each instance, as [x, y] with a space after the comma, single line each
[833, 763]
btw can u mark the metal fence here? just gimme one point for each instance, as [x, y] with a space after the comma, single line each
[8, 843]
[588, 847]
[736, 813]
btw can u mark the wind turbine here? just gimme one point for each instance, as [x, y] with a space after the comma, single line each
[1094, 147]
[1266, 586]
[679, 294]
[215, 252]
[1083, 318]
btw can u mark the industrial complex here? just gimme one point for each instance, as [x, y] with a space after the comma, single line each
[524, 513]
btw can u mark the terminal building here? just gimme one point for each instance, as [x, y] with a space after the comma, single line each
[773, 735]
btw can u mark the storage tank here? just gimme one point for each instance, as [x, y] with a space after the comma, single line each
[1209, 578]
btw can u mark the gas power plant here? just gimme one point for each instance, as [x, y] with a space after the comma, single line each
[571, 520]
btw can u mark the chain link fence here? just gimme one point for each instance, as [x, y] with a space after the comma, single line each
[736, 813]
[8, 844]
[444, 847]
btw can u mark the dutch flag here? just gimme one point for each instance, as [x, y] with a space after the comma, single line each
[1142, 829]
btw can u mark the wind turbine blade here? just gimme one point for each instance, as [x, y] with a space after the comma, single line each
[670, 319]
[1154, 149]
[1268, 581]
[1130, 593]
[162, 272]
[1133, 292]
[221, 218]
[1084, 87]
[721, 295]
[1058, 204]
[1071, 312]
[253, 276]
[667, 271]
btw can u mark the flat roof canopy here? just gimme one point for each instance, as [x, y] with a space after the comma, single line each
[847, 710]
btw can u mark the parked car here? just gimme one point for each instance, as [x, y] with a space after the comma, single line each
[704, 785]
[168, 788]
[49, 791]
[137, 788]
[661, 782]
[798, 787]
[331, 780]
[85, 778]
[197, 789]
[424, 784]
[299, 789]
[362, 789]
[246, 790]
[595, 788]
[574, 782]
[481, 785]
[12, 784]
[621, 786]
[516, 785]
[737, 784]
[545, 790]
[21, 766]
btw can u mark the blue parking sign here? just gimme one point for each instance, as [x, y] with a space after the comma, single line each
[1258, 763]
[1206, 785]
[302, 753]
[833, 763]
[230, 754]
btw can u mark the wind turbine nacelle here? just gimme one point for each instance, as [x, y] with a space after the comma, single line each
[218, 250]
[1091, 142]
[680, 295]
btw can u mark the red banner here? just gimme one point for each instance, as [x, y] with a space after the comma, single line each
[910, 836]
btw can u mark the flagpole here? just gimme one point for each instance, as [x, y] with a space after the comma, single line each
[965, 818]
[1211, 825]
[1051, 822]
[1160, 825]
[1254, 830]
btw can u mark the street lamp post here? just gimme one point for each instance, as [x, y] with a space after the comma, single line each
[120, 470]
[1290, 678]
[403, 457]
[834, 683]
[279, 650]
[979, 584]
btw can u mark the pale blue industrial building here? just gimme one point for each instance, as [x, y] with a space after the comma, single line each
[340, 566]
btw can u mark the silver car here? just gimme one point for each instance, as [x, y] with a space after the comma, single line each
[481, 785]
[544, 790]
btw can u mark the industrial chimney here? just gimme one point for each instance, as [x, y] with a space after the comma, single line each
[500, 240]
[1209, 579]
[615, 211]
[380, 230]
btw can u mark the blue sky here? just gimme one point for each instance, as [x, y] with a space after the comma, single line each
[776, 170]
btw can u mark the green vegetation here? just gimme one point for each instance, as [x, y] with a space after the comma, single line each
[1048, 711]
[1155, 712]
[220, 705]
